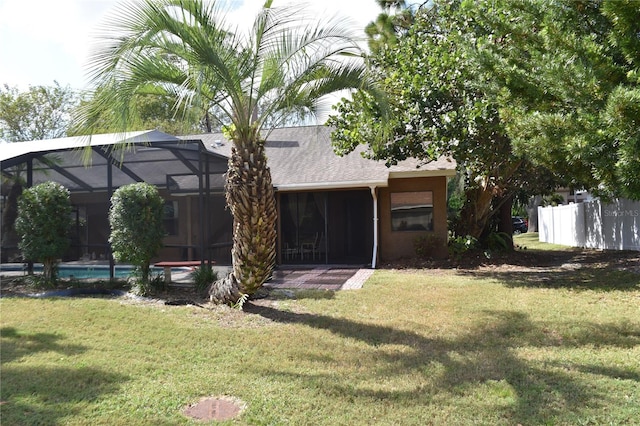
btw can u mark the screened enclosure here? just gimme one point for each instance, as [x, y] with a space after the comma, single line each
[326, 227]
[188, 177]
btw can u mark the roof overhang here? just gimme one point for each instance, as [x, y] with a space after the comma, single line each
[327, 186]
[405, 174]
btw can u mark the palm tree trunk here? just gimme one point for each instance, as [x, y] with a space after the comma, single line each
[251, 199]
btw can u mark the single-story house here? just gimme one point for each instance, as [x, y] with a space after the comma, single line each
[331, 210]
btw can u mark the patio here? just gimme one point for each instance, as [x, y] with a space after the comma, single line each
[320, 278]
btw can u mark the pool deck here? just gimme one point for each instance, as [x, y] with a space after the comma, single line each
[319, 277]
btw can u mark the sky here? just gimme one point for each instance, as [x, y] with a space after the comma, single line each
[46, 40]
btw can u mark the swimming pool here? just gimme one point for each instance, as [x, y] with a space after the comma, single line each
[81, 272]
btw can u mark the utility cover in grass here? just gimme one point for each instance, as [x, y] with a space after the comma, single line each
[215, 408]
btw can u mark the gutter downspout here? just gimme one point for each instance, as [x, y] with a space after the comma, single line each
[375, 227]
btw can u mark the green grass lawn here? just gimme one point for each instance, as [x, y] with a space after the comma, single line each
[530, 240]
[516, 345]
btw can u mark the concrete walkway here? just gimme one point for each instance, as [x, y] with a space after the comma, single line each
[320, 278]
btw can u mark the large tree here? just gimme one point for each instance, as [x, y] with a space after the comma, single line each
[394, 20]
[434, 102]
[41, 112]
[282, 67]
[566, 73]
[147, 111]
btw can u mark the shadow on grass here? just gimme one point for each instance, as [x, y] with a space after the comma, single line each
[485, 355]
[299, 294]
[580, 278]
[45, 395]
[16, 344]
[577, 269]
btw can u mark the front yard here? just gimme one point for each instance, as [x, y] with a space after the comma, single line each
[553, 341]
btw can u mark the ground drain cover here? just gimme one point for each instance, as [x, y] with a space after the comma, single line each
[215, 408]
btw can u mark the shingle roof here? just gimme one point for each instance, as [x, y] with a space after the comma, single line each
[302, 158]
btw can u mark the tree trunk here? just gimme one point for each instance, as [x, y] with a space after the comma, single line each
[251, 199]
[144, 272]
[476, 211]
[225, 291]
[506, 224]
[48, 266]
[532, 212]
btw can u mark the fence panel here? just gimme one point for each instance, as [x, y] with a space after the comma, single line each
[592, 224]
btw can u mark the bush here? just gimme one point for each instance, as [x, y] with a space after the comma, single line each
[499, 241]
[43, 222]
[203, 277]
[137, 230]
[460, 245]
[145, 287]
[426, 246]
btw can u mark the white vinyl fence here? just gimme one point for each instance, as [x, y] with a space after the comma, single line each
[592, 224]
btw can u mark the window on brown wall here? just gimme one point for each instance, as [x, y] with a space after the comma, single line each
[412, 211]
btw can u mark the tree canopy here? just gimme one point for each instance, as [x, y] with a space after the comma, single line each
[41, 112]
[395, 19]
[147, 112]
[566, 73]
[136, 219]
[431, 102]
[523, 94]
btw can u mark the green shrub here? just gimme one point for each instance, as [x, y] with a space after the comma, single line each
[499, 241]
[460, 245]
[552, 200]
[426, 246]
[43, 222]
[203, 277]
[145, 287]
[137, 230]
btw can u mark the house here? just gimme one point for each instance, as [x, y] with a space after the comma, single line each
[331, 209]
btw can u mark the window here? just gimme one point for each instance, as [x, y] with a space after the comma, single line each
[412, 211]
[171, 217]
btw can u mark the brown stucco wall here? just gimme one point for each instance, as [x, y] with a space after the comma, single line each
[399, 244]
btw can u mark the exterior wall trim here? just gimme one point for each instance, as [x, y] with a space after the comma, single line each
[315, 186]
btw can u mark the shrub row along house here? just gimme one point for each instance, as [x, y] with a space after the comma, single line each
[331, 210]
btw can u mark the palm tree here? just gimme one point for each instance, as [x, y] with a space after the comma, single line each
[280, 70]
[384, 31]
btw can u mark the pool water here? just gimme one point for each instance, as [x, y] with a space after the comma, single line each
[83, 272]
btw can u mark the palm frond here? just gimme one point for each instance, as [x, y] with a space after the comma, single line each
[185, 48]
